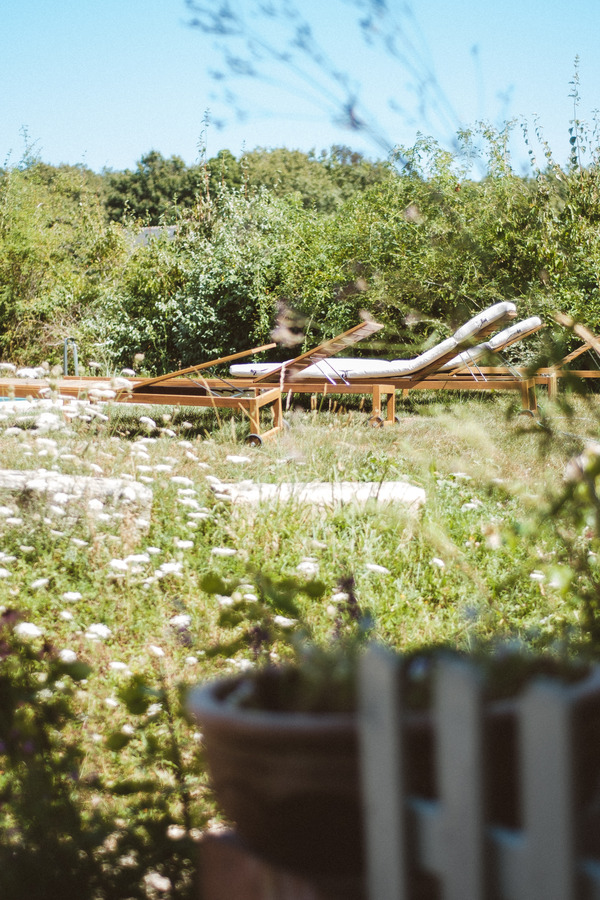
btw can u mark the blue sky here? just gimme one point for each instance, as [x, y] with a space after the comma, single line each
[101, 83]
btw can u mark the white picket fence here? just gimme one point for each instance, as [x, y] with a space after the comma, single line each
[447, 844]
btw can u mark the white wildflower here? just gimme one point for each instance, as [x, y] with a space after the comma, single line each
[308, 567]
[238, 460]
[111, 702]
[156, 651]
[191, 660]
[374, 567]
[284, 622]
[438, 563]
[117, 666]
[28, 630]
[4, 573]
[98, 631]
[128, 729]
[537, 576]
[66, 615]
[39, 583]
[181, 621]
[223, 551]
[67, 656]
[181, 479]
[183, 545]
[157, 882]
[176, 832]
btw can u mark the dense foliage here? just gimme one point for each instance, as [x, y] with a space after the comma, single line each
[414, 240]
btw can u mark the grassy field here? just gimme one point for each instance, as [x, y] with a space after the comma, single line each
[478, 563]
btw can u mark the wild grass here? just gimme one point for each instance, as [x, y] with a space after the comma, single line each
[477, 564]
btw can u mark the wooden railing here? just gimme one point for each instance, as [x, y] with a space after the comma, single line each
[475, 800]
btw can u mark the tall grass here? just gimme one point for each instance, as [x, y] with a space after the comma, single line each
[477, 564]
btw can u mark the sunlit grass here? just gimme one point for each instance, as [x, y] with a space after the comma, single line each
[129, 600]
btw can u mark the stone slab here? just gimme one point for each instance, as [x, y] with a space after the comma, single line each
[320, 493]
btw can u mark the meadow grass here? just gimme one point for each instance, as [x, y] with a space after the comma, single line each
[478, 563]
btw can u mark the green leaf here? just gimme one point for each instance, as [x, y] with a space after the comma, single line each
[213, 583]
[137, 695]
[117, 740]
[314, 589]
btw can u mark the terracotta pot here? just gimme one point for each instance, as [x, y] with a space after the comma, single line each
[289, 781]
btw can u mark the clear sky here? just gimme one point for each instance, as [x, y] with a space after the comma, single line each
[101, 82]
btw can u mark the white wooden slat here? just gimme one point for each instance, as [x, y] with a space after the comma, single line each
[507, 862]
[590, 871]
[459, 719]
[547, 788]
[425, 824]
[380, 736]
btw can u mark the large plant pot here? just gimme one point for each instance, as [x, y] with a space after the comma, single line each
[289, 781]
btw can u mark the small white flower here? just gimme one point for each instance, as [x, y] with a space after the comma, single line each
[158, 882]
[308, 567]
[119, 565]
[154, 709]
[191, 660]
[95, 505]
[111, 702]
[67, 656]
[380, 570]
[181, 621]
[224, 600]
[147, 421]
[284, 622]
[66, 615]
[183, 545]
[537, 576]
[117, 666]
[77, 542]
[340, 597]
[156, 651]
[153, 550]
[181, 479]
[175, 832]
[28, 630]
[39, 583]
[128, 729]
[71, 596]
[4, 573]
[170, 568]
[438, 563]
[98, 631]
[223, 551]
[238, 460]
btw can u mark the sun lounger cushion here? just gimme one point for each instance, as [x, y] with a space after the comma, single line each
[497, 343]
[370, 368]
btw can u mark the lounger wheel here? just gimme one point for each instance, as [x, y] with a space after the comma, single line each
[527, 412]
[285, 425]
[254, 440]
[397, 420]
[375, 422]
